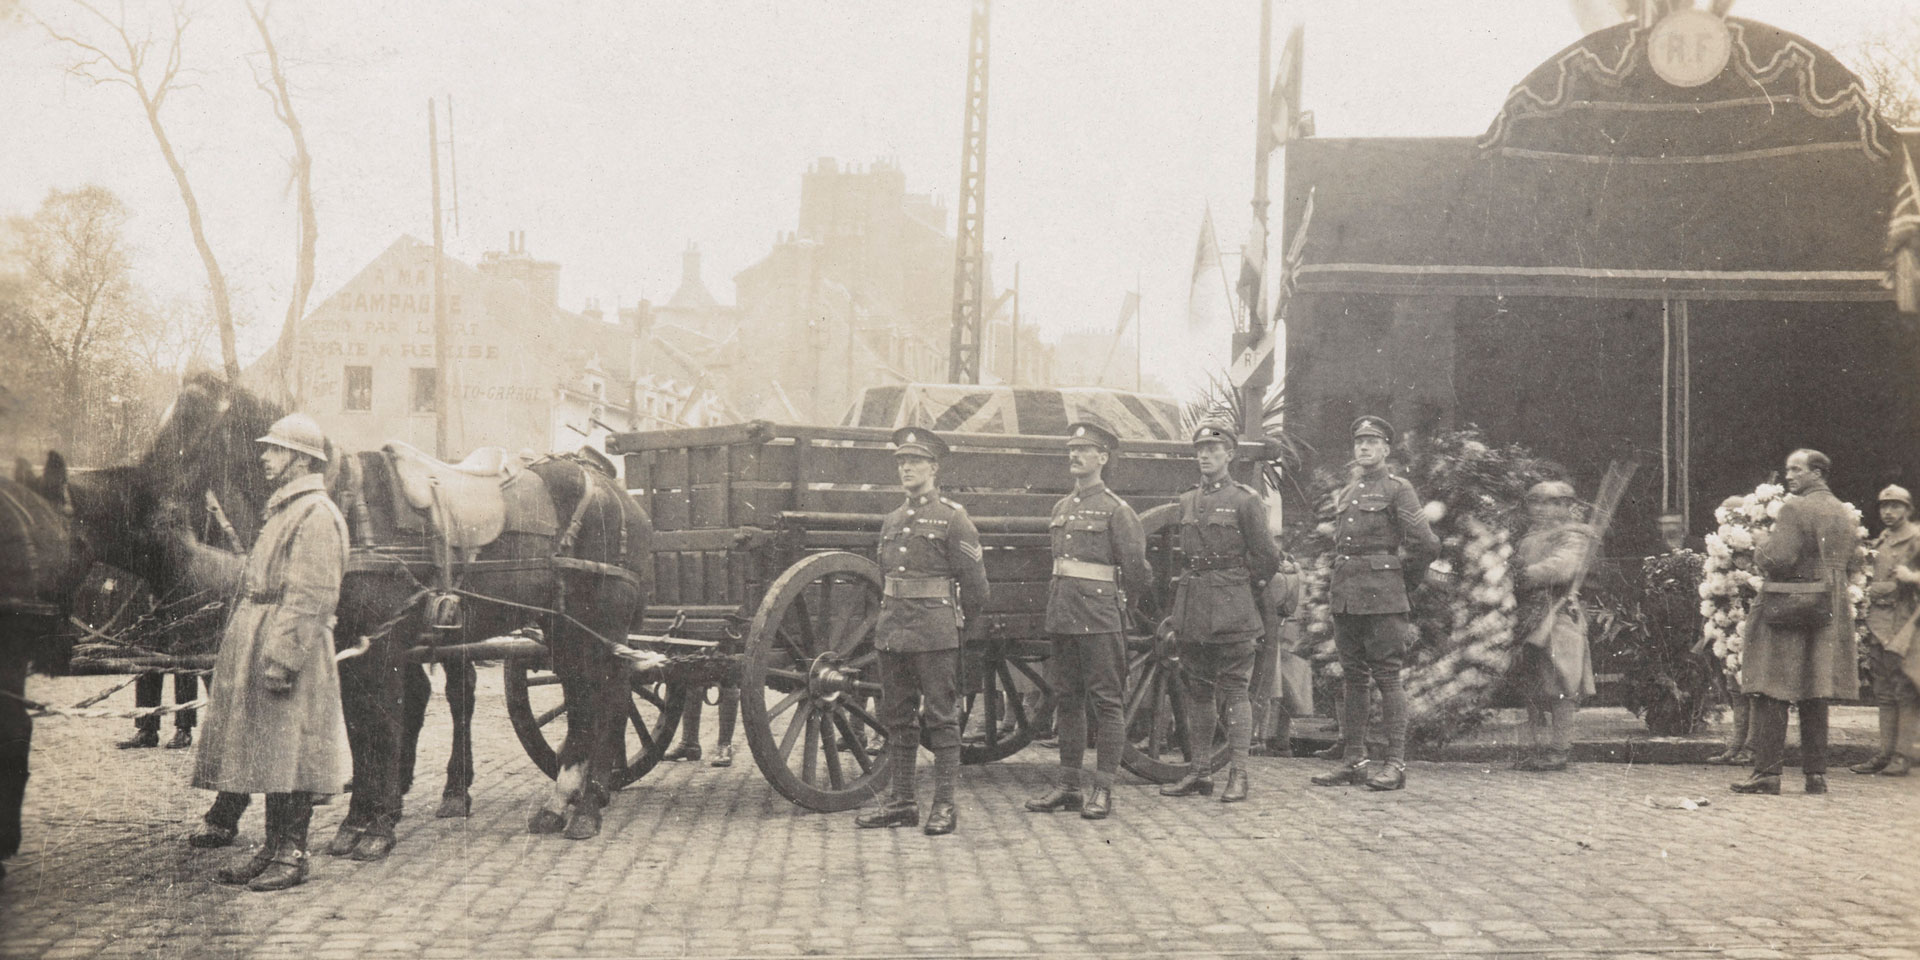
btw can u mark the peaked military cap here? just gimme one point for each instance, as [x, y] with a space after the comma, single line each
[1895, 493]
[1215, 431]
[1372, 426]
[1089, 433]
[918, 442]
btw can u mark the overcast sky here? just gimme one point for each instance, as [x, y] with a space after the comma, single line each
[614, 131]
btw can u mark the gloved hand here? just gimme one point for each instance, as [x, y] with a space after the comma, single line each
[277, 679]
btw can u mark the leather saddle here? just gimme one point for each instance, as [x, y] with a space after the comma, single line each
[472, 502]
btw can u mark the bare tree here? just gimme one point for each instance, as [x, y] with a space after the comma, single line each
[76, 301]
[1889, 65]
[131, 64]
[274, 85]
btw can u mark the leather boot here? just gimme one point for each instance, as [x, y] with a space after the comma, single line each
[1198, 781]
[1871, 765]
[1236, 789]
[1816, 783]
[182, 739]
[1889, 735]
[1099, 805]
[245, 872]
[722, 756]
[1899, 766]
[941, 819]
[1759, 784]
[895, 813]
[288, 869]
[1392, 775]
[1061, 797]
[211, 835]
[344, 839]
[141, 740]
[221, 824]
[1350, 774]
[685, 751]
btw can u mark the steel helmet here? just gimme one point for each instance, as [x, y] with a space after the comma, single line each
[298, 432]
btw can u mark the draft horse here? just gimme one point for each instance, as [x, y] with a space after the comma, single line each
[41, 566]
[585, 603]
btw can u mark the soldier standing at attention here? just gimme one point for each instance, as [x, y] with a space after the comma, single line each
[1382, 545]
[935, 590]
[1099, 549]
[1230, 557]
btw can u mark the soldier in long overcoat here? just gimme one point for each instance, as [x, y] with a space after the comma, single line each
[1811, 552]
[1230, 556]
[933, 594]
[1555, 668]
[274, 724]
[1893, 597]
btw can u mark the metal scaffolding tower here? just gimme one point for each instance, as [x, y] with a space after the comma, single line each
[970, 255]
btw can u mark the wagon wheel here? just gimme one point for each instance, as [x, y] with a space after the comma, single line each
[809, 678]
[998, 700]
[538, 711]
[1156, 715]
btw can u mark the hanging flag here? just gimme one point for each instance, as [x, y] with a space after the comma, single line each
[1903, 238]
[1201, 308]
[1285, 100]
[1129, 306]
[1253, 265]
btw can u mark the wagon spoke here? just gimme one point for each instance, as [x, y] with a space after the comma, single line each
[810, 759]
[993, 707]
[1149, 681]
[793, 675]
[800, 720]
[850, 640]
[786, 703]
[1032, 675]
[830, 750]
[1013, 699]
[547, 717]
[860, 713]
[640, 728]
[544, 680]
[854, 745]
[805, 615]
[1177, 701]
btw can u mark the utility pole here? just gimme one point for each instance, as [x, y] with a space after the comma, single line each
[1253, 393]
[1013, 369]
[442, 385]
[969, 258]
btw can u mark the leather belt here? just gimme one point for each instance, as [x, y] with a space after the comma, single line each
[271, 595]
[1393, 557]
[1083, 570]
[918, 587]
[1202, 564]
[1795, 586]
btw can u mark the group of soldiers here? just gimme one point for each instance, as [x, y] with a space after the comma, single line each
[936, 591]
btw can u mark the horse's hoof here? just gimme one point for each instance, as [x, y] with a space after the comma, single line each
[583, 825]
[345, 839]
[546, 821]
[373, 846]
[455, 805]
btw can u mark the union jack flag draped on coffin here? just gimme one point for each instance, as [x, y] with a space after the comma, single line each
[1030, 411]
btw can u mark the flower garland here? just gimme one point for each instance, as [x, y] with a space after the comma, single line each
[1731, 583]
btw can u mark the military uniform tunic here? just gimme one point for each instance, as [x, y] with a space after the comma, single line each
[1094, 527]
[928, 546]
[1223, 531]
[1375, 517]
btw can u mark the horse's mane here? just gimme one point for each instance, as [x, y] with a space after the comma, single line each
[207, 443]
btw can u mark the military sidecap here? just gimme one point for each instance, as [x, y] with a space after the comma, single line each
[1547, 490]
[1089, 433]
[918, 442]
[1896, 494]
[1372, 426]
[1215, 431]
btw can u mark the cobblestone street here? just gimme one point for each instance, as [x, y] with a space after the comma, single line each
[1469, 860]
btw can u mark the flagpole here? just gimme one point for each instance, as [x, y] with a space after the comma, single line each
[1253, 391]
[1139, 320]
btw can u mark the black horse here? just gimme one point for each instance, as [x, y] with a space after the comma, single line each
[155, 514]
[41, 566]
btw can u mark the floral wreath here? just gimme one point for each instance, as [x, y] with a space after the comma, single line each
[1731, 583]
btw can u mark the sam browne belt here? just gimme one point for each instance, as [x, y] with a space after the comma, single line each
[919, 587]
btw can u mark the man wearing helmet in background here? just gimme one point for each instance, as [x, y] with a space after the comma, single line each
[274, 723]
[1554, 669]
[1230, 556]
[1382, 545]
[1894, 595]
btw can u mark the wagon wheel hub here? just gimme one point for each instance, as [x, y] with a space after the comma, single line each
[826, 681]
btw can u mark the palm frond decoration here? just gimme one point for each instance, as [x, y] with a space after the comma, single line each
[1220, 399]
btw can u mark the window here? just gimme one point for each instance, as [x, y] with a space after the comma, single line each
[425, 384]
[359, 392]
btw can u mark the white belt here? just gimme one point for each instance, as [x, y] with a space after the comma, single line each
[926, 588]
[1083, 570]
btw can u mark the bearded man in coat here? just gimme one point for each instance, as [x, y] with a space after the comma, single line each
[275, 724]
[1795, 652]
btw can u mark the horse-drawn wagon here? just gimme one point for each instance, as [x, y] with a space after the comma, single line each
[762, 546]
